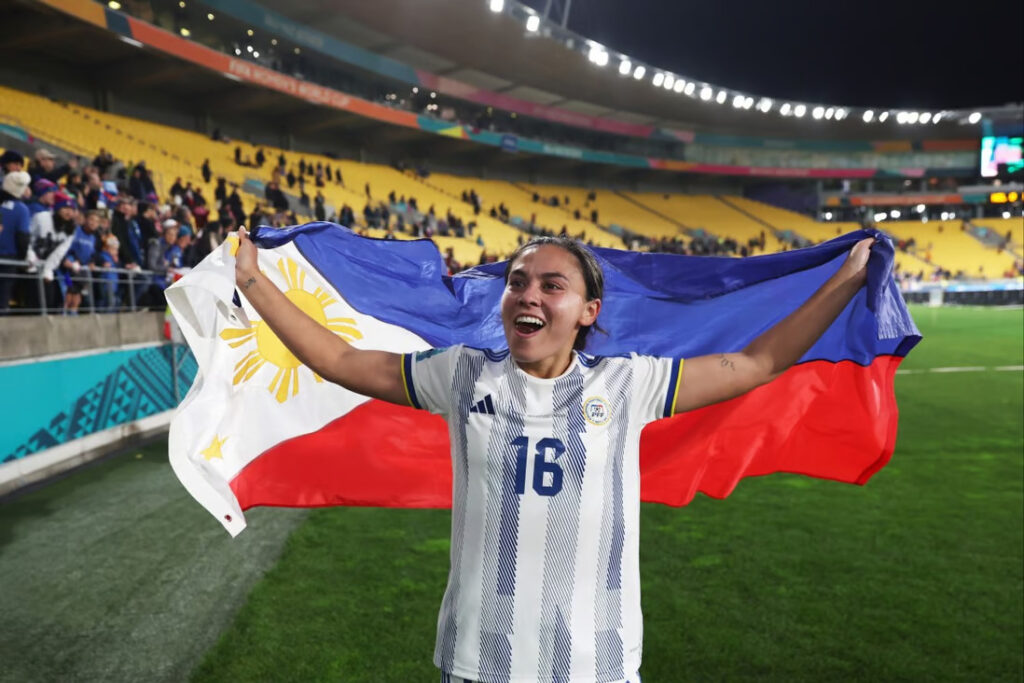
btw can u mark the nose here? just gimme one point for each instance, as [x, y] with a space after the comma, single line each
[530, 295]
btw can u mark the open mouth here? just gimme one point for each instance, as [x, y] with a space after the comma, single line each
[528, 325]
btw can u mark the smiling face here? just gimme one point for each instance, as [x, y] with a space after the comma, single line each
[544, 306]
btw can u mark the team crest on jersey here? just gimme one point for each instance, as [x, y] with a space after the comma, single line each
[597, 411]
[423, 355]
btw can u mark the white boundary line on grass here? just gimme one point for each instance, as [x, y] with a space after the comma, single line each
[1001, 368]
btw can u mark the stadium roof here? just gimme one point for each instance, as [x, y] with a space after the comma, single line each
[465, 41]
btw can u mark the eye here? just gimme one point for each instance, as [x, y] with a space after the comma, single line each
[551, 285]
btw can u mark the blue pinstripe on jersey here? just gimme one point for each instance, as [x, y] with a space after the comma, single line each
[501, 530]
[464, 379]
[608, 606]
[562, 533]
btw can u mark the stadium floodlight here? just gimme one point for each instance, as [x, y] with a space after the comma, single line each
[706, 92]
[1006, 214]
[433, 95]
[181, 4]
[722, 96]
[209, 16]
[883, 116]
[297, 51]
[937, 117]
[895, 213]
[415, 90]
[799, 111]
[737, 101]
[828, 215]
[670, 81]
[868, 115]
[238, 52]
[974, 117]
[912, 117]
[901, 117]
[919, 208]
[533, 23]
[249, 32]
[114, 4]
[690, 88]
[273, 41]
[818, 112]
[880, 216]
[184, 32]
[658, 79]
[497, 5]
[639, 72]
[829, 113]
[785, 108]
[680, 84]
[765, 105]
[926, 116]
[625, 67]
[748, 103]
[842, 113]
[248, 48]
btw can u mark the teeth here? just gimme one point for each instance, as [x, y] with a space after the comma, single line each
[530, 319]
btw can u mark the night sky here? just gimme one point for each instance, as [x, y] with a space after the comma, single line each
[896, 53]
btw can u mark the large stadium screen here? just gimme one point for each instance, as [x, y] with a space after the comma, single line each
[1000, 150]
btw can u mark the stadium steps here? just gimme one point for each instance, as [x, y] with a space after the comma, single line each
[603, 230]
[992, 238]
[787, 235]
[686, 229]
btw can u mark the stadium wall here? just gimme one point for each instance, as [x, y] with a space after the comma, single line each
[65, 409]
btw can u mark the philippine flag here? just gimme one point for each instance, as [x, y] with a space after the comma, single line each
[259, 428]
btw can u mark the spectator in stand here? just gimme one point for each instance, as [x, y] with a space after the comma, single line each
[238, 155]
[281, 161]
[78, 261]
[162, 254]
[45, 166]
[146, 218]
[260, 157]
[220, 193]
[235, 205]
[186, 246]
[337, 177]
[207, 173]
[15, 232]
[319, 208]
[177, 189]
[92, 193]
[290, 178]
[125, 227]
[368, 195]
[103, 161]
[277, 198]
[141, 183]
[11, 161]
[108, 287]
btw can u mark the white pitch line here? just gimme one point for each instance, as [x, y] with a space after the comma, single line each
[1001, 368]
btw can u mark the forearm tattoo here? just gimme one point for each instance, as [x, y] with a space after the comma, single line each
[249, 283]
[726, 363]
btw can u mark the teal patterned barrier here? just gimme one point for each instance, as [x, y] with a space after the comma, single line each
[52, 401]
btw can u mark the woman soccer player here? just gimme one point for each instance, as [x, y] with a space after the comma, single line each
[545, 573]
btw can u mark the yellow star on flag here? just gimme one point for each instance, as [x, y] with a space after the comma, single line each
[213, 450]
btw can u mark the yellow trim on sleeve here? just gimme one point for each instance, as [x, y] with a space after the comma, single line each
[405, 382]
[679, 383]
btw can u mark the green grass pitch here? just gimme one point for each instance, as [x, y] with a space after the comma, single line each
[113, 573]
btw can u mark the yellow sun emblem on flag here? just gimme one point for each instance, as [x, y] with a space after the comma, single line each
[270, 349]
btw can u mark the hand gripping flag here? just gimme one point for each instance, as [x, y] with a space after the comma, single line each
[259, 428]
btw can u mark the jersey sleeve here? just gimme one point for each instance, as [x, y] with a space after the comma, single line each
[427, 377]
[656, 384]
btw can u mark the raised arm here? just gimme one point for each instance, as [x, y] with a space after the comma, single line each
[377, 374]
[719, 377]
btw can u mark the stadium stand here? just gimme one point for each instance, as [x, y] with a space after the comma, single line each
[473, 220]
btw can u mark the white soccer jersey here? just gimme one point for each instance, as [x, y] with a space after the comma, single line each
[545, 569]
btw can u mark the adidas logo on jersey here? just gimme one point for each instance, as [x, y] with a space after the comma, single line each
[484, 406]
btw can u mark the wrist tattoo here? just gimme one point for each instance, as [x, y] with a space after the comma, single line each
[726, 363]
[249, 283]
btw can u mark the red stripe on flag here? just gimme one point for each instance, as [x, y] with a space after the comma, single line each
[822, 419]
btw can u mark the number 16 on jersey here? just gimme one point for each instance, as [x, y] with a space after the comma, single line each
[547, 474]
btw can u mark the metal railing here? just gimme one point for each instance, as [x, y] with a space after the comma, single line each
[102, 289]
